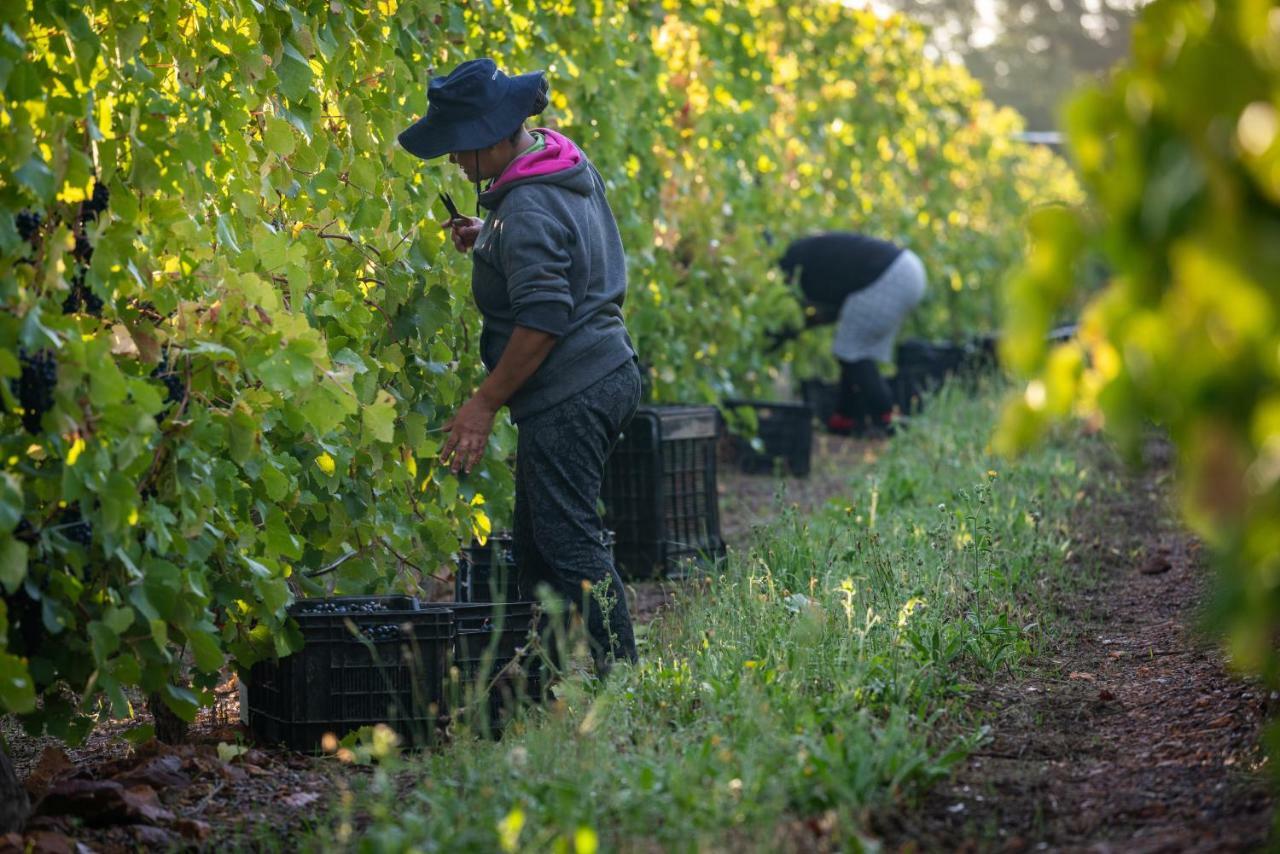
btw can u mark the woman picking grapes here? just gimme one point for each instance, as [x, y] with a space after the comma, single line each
[549, 279]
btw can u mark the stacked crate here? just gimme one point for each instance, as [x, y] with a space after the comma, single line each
[784, 432]
[659, 492]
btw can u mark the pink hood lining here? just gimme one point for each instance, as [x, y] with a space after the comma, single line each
[559, 154]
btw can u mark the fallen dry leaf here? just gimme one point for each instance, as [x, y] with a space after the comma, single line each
[53, 765]
[161, 772]
[154, 838]
[298, 800]
[143, 803]
[48, 842]
[1157, 563]
[193, 828]
[1079, 674]
[103, 802]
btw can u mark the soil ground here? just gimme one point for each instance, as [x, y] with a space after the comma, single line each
[1128, 735]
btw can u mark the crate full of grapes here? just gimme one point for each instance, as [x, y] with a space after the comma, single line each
[365, 660]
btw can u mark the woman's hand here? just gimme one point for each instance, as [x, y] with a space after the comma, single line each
[464, 230]
[468, 431]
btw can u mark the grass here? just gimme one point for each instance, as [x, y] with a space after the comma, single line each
[821, 675]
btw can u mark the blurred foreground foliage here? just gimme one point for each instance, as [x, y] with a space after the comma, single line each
[1181, 154]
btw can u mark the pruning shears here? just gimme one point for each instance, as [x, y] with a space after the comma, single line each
[451, 207]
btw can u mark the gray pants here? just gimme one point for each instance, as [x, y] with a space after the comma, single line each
[870, 318]
[558, 536]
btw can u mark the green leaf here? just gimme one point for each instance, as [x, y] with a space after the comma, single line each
[271, 248]
[242, 436]
[104, 640]
[295, 74]
[346, 356]
[278, 136]
[181, 701]
[13, 563]
[106, 383]
[119, 501]
[55, 616]
[159, 632]
[364, 174]
[274, 593]
[126, 670]
[287, 369]
[259, 570]
[23, 83]
[226, 234]
[276, 483]
[17, 691]
[36, 177]
[212, 351]
[280, 540]
[120, 706]
[11, 502]
[368, 214]
[379, 417]
[119, 619]
[206, 649]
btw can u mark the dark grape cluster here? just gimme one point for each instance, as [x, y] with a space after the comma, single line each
[74, 527]
[326, 606]
[384, 632]
[80, 533]
[171, 379]
[82, 298]
[26, 532]
[35, 387]
[28, 223]
[84, 249]
[90, 209]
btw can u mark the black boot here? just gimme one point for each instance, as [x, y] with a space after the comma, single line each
[873, 403]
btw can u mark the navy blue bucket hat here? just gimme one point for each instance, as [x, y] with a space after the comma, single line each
[473, 107]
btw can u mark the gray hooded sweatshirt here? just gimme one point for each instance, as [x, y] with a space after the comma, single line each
[549, 257]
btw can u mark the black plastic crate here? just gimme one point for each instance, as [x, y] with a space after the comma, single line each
[490, 630]
[982, 354]
[821, 396]
[493, 659]
[365, 660]
[786, 432]
[922, 367]
[659, 491]
[487, 573]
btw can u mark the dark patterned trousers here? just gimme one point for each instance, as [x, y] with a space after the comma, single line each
[558, 536]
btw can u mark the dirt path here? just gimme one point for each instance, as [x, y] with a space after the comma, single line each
[750, 501]
[1130, 735]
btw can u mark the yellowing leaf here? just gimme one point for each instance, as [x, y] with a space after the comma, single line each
[325, 463]
[509, 830]
[74, 452]
[481, 526]
[585, 841]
